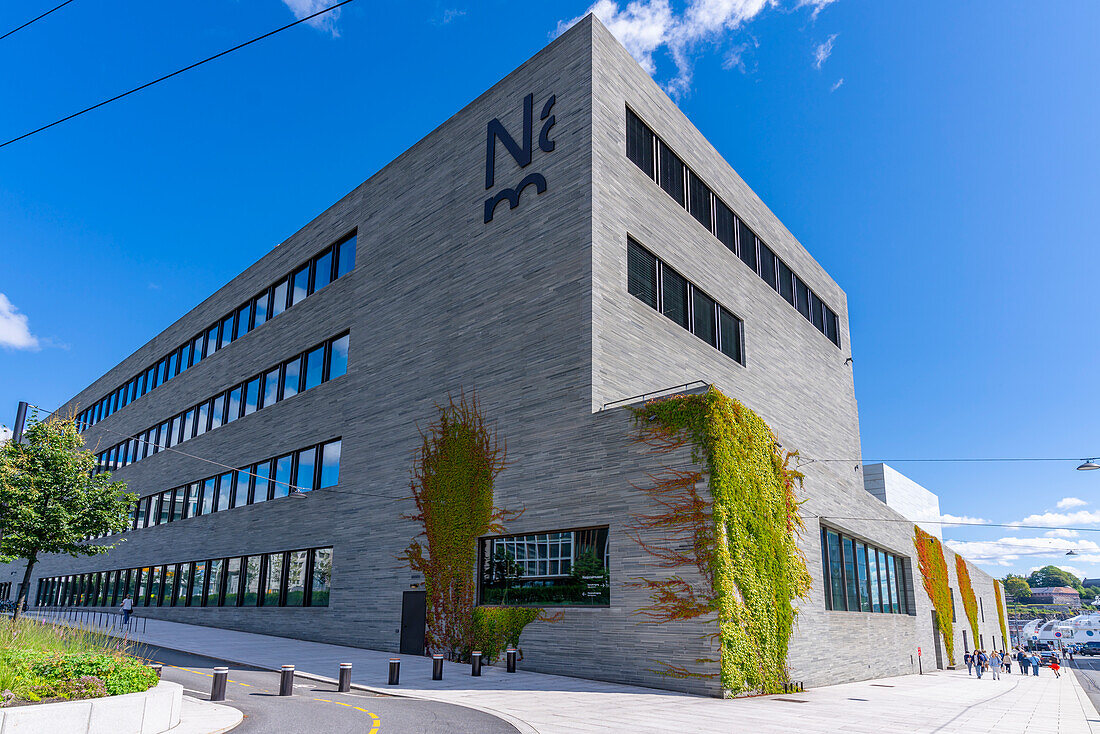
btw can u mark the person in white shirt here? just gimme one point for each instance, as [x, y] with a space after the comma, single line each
[127, 609]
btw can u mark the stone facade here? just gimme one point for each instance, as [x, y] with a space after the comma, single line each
[909, 499]
[531, 311]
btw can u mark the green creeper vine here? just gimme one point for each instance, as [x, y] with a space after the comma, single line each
[741, 539]
[966, 590]
[1001, 612]
[933, 571]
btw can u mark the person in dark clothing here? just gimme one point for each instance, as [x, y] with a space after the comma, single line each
[979, 662]
[969, 660]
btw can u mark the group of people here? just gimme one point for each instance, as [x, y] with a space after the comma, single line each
[979, 661]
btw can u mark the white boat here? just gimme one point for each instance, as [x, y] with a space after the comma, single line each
[1073, 631]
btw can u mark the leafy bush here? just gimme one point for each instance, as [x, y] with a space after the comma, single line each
[495, 628]
[39, 661]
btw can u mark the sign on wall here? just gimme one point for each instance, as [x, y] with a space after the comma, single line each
[521, 152]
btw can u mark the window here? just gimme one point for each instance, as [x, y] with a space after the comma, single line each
[261, 491]
[209, 495]
[560, 568]
[196, 349]
[165, 512]
[240, 489]
[297, 581]
[786, 281]
[875, 585]
[233, 405]
[251, 396]
[672, 173]
[251, 584]
[704, 324]
[291, 377]
[278, 301]
[244, 318]
[345, 257]
[271, 387]
[330, 465]
[802, 297]
[171, 576]
[273, 580]
[338, 358]
[730, 332]
[768, 266]
[746, 245]
[198, 579]
[217, 581]
[723, 225]
[226, 331]
[188, 424]
[260, 305]
[301, 285]
[699, 199]
[202, 419]
[639, 143]
[641, 277]
[322, 271]
[675, 296]
[216, 414]
[303, 480]
[225, 491]
[816, 315]
[321, 573]
[212, 342]
[314, 370]
[282, 475]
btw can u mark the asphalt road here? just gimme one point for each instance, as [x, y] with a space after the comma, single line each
[1087, 670]
[317, 708]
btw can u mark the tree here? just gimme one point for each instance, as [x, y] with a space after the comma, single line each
[1017, 587]
[50, 501]
[1053, 576]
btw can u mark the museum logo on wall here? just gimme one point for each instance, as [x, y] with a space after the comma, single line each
[521, 152]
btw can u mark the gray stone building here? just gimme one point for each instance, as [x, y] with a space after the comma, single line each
[564, 244]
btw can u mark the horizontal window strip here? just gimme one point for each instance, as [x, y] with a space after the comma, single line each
[308, 278]
[861, 577]
[661, 164]
[326, 361]
[663, 289]
[292, 578]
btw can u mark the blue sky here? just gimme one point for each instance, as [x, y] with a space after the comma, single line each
[939, 159]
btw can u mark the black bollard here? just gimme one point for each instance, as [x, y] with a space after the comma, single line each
[286, 681]
[345, 677]
[475, 662]
[437, 667]
[156, 669]
[217, 687]
[511, 653]
[395, 671]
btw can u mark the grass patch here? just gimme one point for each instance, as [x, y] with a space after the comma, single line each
[40, 662]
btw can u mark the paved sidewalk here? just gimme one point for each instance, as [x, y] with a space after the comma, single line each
[947, 701]
[203, 717]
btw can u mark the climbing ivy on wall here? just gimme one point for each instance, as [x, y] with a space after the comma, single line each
[966, 590]
[742, 538]
[933, 571]
[452, 485]
[1001, 612]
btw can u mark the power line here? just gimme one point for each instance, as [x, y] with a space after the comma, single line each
[175, 73]
[34, 20]
[806, 460]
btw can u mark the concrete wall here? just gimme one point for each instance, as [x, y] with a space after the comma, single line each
[901, 493]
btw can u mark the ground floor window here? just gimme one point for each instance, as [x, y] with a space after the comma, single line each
[297, 578]
[860, 577]
[555, 568]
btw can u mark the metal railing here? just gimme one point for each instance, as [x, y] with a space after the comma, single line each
[90, 619]
[664, 392]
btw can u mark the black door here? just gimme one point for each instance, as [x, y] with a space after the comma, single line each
[413, 615]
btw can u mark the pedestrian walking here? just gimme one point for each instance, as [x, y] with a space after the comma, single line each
[969, 660]
[995, 665]
[1036, 661]
[127, 610]
[1055, 668]
[980, 661]
[1021, 658]
[1006, 658]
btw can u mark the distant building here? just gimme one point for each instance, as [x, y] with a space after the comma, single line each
[1055, 595]
[904, 496]
[1090, 582]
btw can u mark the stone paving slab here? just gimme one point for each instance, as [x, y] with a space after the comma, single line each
[942, 702]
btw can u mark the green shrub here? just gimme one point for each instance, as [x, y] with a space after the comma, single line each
[496, 628]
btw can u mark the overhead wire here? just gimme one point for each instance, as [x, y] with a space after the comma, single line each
[35, 20]
[174, 73]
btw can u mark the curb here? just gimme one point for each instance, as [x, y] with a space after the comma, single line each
[520, 724]
[230, 717]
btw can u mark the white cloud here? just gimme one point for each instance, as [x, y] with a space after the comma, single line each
[14, 332]
[823, 51]
[1068, 503]
[1062, 533]
[326, 22]
[645, 26]
[817, 5]
[949, 520]
[838, 85]
[1008, 551]
[1056, 519]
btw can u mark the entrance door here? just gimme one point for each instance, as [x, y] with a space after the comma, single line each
[936, 637]
[413, 616]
